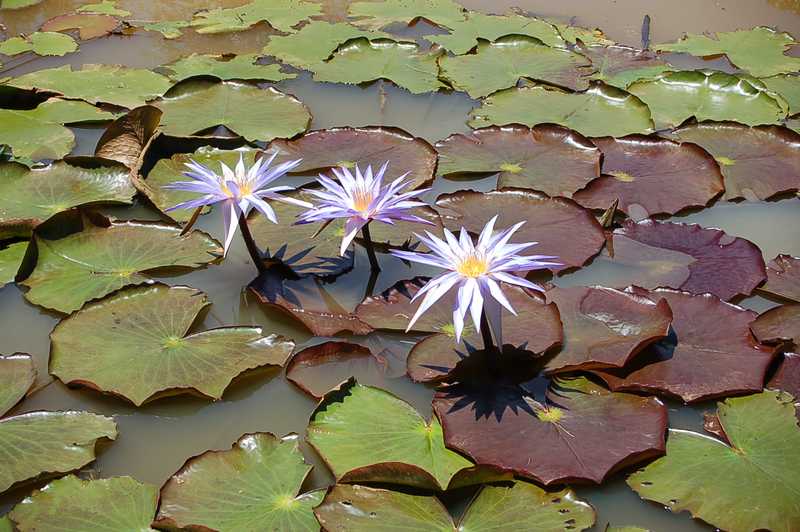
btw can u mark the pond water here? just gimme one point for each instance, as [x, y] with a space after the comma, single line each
[157, 438]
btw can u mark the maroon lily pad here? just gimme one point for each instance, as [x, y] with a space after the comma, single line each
[757, 162]
[583, 432]
[347, 146]
[604, 327]
[320, 368]
[783, 277]
[778, 325]
[711, 353]
[688, 257]
[546, 158]
[560, 226]
[620, 65]
[89, 25]
[787, 378]
[652, 176]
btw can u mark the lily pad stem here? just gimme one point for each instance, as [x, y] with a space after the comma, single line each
[252, 248]
[486, 333]
[373, 260]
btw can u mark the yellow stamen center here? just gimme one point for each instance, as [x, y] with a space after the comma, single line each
[473, 266]
[362, 200]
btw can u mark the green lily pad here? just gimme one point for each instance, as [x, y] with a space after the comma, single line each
[98, 260]
[445, 13]
[6, 525]
[361, 60]
[225, 67]
[252, 487]
[572, 34]
[40, 43]
[16, 378]
[169, 29]
[597, 112]
[105, 7]
[522, 506]
[118, 85]
[39, 133]
[29, 197]
[788, 87]
[134, 344]
[619, 66]
[98, 505]
[547, 158]
[315, 42]
[280, 14]
[89, 26]
[368, 434]
[10, 259]
[18, 4]
[759, 50]
[465, 34]
[501, 64]
[705, 476]
[706, 95]
[49, 442]
[253, 113]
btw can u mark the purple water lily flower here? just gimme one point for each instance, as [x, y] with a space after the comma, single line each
[362, 198]
[239, 190]
[477, 271]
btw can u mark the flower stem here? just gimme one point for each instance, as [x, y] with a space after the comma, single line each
[373, 260]
[252, 248]
[486, 333]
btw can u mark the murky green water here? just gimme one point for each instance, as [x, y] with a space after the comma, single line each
[155, 440]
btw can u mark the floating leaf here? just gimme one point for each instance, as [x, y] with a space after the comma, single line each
[16, 378]
[545, 158]
[759, 50]
[98, 260]
[39, 133]
[29, 197]
[118, 85]
[315, 42]
[652, 176]
[445, 13]
[702, 360]
[169, 29]
[280, 14]
[584, 432]
[523, 506]
[604, 327]
[783, 277]
[10, 260]
[40, 43]
[97, 505]
[225, 68]
[348, 146]
[788, 87]
[89, 26]
[253, 486]
[757, 162]
[777, 325]
[599, 111]
[361, 60]
[315, 369]
[674, 97]
[787, 377]
[501, 64]
[126, 139]
[688, 257]
[253, 113]
[704, 476]
[49, 442]
[559, 225]
[135, 344]
[368, 434]
[18, 4]
[619, 66]
[572, 34]
[105, 7]
[465, 34]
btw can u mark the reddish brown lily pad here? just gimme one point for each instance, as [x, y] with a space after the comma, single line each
[783, 277]
[546, 158]
[620, 65]
[652, 176]
[560, 226]
[778, 325]
[757, 162]
[604, 327]
[582, 433]
[89, 25]
[320, 368]
[711, 354]
[688, 257]
[347, 146]
[787, 378]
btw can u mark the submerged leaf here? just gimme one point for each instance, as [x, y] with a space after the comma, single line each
[169, 29]
[89, 26]
[280, 14]
[223, 67]
[135, 344]
[376, 15]
[98, 505]
[40, 43]
[546, 158]
[16, 378]
[49, 442]
[465, 34]
[619, 66]
[98, 260]
[601, 110]
[10, 260]
[705, 476]
[251, 487]
[783, 277]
